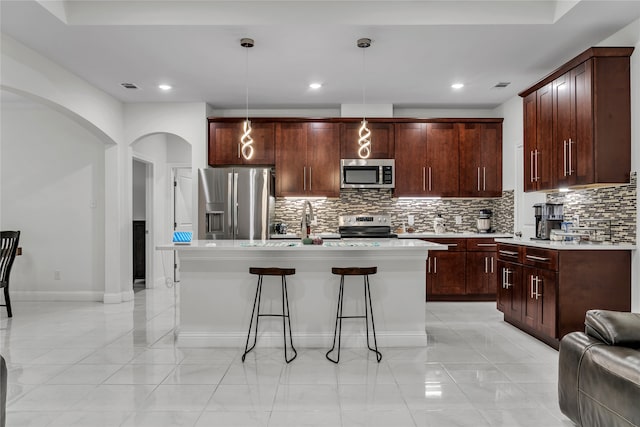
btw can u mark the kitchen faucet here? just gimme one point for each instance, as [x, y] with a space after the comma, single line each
[306, 219]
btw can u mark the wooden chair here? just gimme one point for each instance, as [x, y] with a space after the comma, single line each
[8, 248]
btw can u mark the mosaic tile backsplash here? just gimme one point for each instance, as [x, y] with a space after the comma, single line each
[355, 201]
[616, 204]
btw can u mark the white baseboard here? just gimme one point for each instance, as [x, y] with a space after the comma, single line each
[56, 296]
[269, 339]
[112, 298]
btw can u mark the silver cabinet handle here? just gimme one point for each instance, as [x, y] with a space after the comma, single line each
[429, 264]
[429, 178]
[491, 265]
[486, 265]
[508, 253]
[435, 265]
[492, 245]
[452, 245]
[478, 179]
[484, 178]
[531, 164]
[531, 285]
[239, 150]
[537, 178]
[538, 258]
[570, 158]
[304, 178]
[565, 163]
[504, 270]
[424, 179]
[538, 293]
[310, 179]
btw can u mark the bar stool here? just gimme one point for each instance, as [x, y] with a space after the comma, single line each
[271, 271]
[354, 271]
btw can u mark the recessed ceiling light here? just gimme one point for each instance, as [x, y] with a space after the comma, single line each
[164, 87]
[315, 85]
[457, 86]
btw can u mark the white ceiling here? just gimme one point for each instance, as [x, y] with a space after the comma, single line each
[419, 48]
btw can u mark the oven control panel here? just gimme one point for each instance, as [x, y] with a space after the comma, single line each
[364, 220]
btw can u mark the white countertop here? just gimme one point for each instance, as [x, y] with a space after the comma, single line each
[271, 245]
[548, 244]
[452, 235]
[293, 236]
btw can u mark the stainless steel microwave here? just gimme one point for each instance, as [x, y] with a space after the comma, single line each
[367, 173]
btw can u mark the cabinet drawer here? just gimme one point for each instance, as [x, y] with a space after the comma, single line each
[510, 253]
[455, 245]
[482, 245]
[541, 258]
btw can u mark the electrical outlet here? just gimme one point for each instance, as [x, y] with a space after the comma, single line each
[458, 219]
[314, 222]
[410, 219]
[56, 275]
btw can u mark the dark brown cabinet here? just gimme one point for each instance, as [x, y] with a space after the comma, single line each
[307, 159]
[427, 158]
[225, 146]
[467, 271]
[579, 130]
[480, 159]
[481, 267]
[382, 140]
[547, 292]
[446, 270]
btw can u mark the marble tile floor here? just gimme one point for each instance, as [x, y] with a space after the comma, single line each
[97, 365]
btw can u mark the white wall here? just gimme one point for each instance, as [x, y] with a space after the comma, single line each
[52, 190]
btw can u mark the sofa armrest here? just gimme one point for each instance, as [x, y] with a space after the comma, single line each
[572, 348]
[614, 327]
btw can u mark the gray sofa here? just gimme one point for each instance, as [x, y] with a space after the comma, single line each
[599, 371]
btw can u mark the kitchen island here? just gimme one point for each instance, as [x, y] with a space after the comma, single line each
[216, 291]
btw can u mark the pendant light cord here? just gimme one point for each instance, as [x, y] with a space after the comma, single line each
[246, 83]
[364, 76]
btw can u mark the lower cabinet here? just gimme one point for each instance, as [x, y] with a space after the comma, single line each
[467, 271]
[547, 293]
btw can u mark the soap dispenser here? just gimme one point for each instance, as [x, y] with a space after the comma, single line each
[439, 225]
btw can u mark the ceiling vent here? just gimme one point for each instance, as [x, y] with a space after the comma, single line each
[501, 85]
[129, 86]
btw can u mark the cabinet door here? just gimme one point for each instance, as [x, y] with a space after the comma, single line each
[323, 159]
[480, 159]
[530, 146]
[540, 300]
[547, 296]
[382, 140]
[264, 153]
[481, 267]
[442, 177]
[445, 273]
[582, 141]
[410, 148]
[562, 129]
[224, 143]
[509, 290]
[291, 146]
[544, 138]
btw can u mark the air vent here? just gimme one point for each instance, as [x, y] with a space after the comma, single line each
[502, 84]
[129, 86]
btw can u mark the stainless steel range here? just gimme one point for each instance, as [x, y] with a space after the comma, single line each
[365, 226]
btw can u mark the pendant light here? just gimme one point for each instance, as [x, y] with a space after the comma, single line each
[364, 134]
[246, 141]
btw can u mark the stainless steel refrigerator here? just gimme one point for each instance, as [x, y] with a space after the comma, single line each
[239, 202]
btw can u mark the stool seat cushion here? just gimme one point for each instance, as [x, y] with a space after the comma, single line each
[272, 271]
[354, 271]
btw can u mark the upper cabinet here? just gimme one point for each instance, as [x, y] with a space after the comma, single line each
[225, 147]
[382, 140]
[577, 123]
[307, 159]
[449, 159]
[426, 160]
[480, 159]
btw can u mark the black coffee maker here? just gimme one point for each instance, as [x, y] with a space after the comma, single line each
[549, 216]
